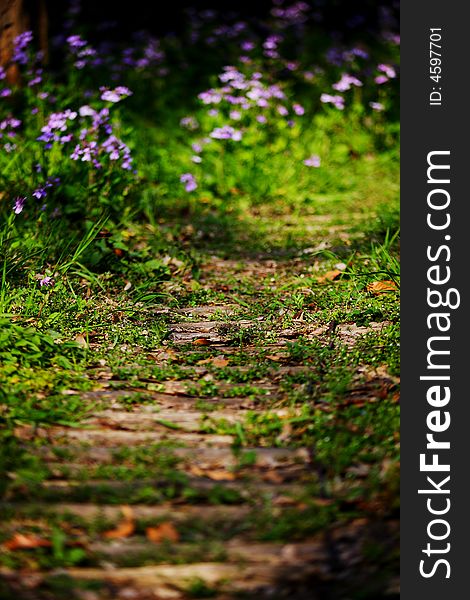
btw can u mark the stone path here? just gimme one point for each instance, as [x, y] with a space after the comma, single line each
[169, 495]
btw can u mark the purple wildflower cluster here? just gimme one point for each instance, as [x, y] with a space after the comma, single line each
[270, 46]
[20, 47]
[386, 72]
[4, 91]
[189, 123]
[338, 56]
[248, 94]
[90, 131]
[56, 128]
[8, 132]
[337, 101]
[241, 101]
[189, 182]
[150, 55]
[82, 52]
[115, 95]
[295, 14]
[40, 193]
[227, 132]
[346, 82]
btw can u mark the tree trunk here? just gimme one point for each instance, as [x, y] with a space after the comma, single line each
[12, 23]
[17, 16]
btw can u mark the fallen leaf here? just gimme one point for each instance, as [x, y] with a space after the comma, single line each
[380, 287]
[276, 357]
[216, 362]
[164, 531]
[81, 341]
[201, 342]
[329, 276]
[125, 528]
[21, 541]
[220, 362]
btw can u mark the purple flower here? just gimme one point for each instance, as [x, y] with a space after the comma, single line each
[196, 159]
[190, 182]
[75, 41]
[86, 111]
[20, 44]
[189, 123]
[282, 110]
[246, 46]
[226, 133]
[261, 119]
[115, 95]
[298, 109]
[312, 161]
[19, 205]
[380, 79]
[47, 281]
[337, 101]
[388, 70]
[196, 147]
[376, 106]
[231, 74]
[210, 97]
[346, 82]
[39, 193]
[394, 38]
[359, 52]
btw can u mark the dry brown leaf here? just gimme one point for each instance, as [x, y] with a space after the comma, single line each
[81, 341]
[125, 528]
[217, 362]
[201, 342]
[220, 362]
[220, 475]
[380, 287]
[329, 276]
[276, 357]
[22, 541]
[164, 531]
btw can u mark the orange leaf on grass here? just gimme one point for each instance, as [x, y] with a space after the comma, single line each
[380, 287]
[125, 528]
[216, 362]
[164, 531]
[22, 541]
[329, 276]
